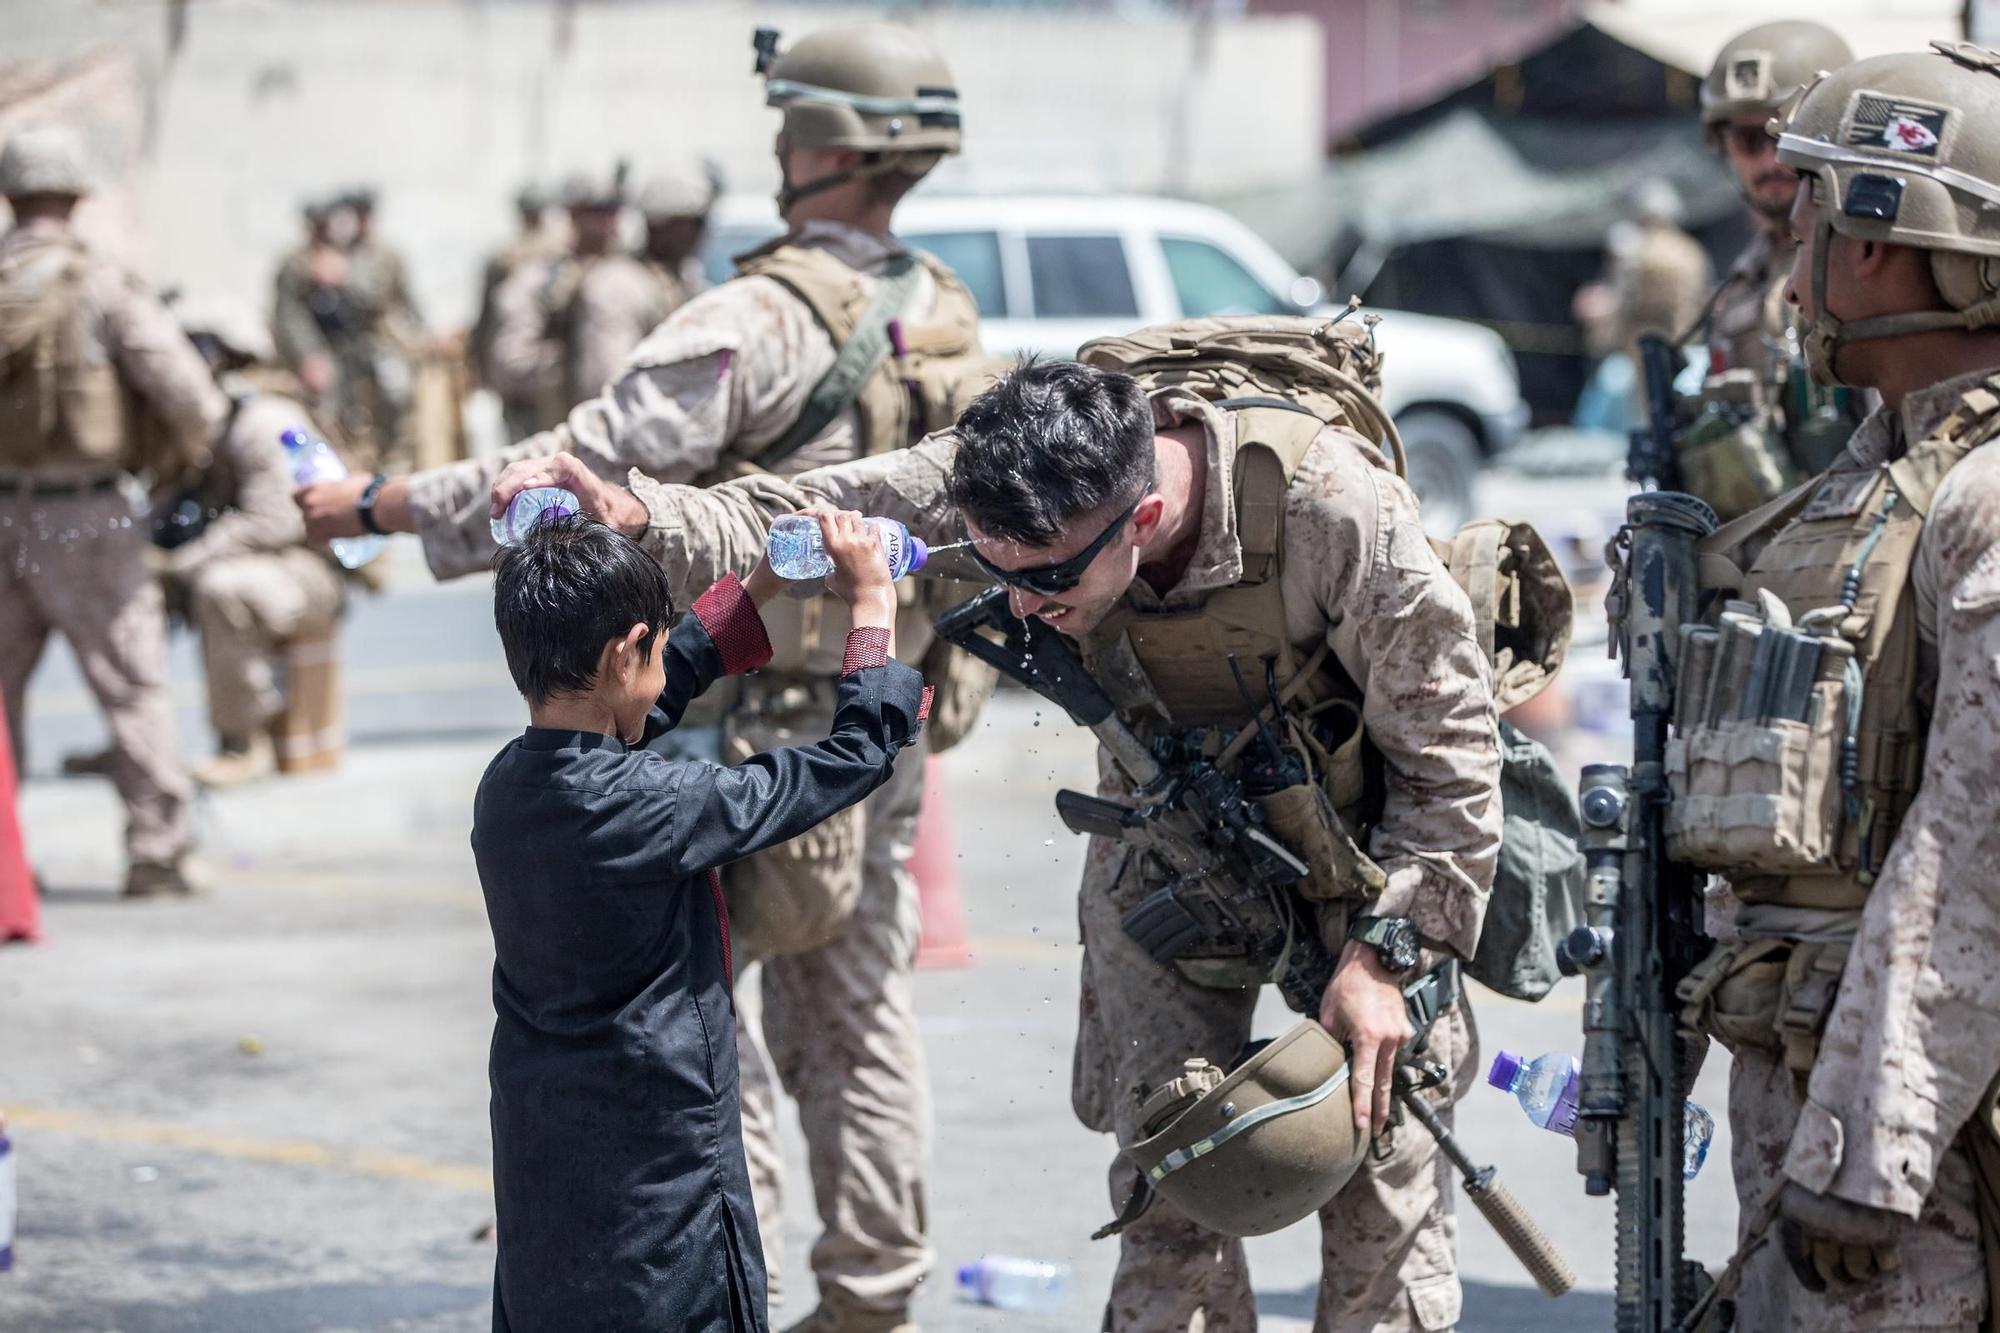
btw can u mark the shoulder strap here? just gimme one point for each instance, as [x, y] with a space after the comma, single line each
[862, 345]
[1919, 472]
[1272, 437]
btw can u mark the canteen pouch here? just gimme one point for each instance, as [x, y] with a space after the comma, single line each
[1754, 790]
[1733, 453]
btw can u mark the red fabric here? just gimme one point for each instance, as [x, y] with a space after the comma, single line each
[867, 646]
[20, 912]
[731, 619]
[722, 916]
[924, 708]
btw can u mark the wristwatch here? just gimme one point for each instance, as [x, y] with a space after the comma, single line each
[364, 508]
[1393, 938]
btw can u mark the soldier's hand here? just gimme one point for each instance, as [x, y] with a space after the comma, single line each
[1832, 1242]
[329, 510]
[611, 505]
[1363, 1007]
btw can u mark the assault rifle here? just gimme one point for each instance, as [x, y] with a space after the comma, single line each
[1643, 932]
[1651, 459]
[1230, 886]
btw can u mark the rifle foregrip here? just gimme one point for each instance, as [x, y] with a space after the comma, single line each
[1536, 1252]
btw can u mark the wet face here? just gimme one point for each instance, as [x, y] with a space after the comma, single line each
[1767, 184]
[1101, 582]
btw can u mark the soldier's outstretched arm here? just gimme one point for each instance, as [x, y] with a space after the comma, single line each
[155, 358]
[1914, 1038]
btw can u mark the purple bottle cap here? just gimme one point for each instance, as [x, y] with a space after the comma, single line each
[1506, 1068]
[968, 1274]
[919, 552]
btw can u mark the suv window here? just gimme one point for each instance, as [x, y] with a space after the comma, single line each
[1209, 281]
[975, 257]
[1080, 277]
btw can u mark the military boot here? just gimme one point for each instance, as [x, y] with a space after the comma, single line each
[238, 762]
[157, 879]
[836, 1316]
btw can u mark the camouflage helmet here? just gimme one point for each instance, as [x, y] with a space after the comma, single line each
[591, 189]
[685, 188]
[1904, 149]
[876, 88]
[1254, 1150]
[43, 159]
[1759, 70]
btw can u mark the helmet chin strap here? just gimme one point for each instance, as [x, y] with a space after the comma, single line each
[1829, 333]
[876, 164]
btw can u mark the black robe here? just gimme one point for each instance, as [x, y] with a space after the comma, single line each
[622, 1195]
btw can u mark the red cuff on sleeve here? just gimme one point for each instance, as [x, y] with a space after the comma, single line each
[924, 708]
[731, 619]
[867, 646]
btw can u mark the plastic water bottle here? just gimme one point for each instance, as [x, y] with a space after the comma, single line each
[797, 549]
[7, 1198]
[1546, 1089]
[1007, 1283]
[529, 508]
[313, 460]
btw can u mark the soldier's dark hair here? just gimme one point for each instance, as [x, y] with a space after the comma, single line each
[1050, 442]
[571, 586]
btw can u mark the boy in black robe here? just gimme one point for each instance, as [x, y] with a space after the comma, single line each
[623, 1200]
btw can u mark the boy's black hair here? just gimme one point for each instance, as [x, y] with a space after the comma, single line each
[1050, 442]
[571, 586]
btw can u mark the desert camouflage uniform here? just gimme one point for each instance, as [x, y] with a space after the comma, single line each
[252, 583]
[1749, 319]
[722, 379]
[1658, 285]
[1914, 1036]
[366, 324]
[76, 562]
[1359, 575]
[536, 251]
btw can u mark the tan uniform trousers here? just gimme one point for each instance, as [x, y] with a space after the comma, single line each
[247, 607]
[1941, 1287]
[1388, 1240]
[76, 565]
[840, 1027]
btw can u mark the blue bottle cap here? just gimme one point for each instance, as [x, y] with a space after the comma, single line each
[1506, 1068]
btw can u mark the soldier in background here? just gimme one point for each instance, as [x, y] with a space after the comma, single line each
[536, 246]
[392, 340]
[80, 339]
[243, 570]
[1761, 426]
[1659, 274]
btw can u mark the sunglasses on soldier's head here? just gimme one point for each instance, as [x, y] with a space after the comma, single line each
[1054, 580]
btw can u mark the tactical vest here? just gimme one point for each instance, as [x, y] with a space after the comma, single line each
[1800, 726]
[1282, 381]
[59, 404]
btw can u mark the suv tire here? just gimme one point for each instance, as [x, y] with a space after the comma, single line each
[1444, 459]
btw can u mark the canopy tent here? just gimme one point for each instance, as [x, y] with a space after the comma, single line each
[1492, 202]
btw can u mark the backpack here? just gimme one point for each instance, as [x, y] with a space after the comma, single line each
[1261, 367]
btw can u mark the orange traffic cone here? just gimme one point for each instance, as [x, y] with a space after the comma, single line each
[934, 861]
[20, 912]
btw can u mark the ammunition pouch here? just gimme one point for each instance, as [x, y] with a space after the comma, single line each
[1769, 995]
[1733, 454]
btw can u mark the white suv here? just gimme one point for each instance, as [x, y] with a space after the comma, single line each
[1052, 272]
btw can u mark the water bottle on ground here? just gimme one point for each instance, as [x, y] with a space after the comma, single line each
[1546, 1089]
[312, 460]
[1008, 1283]
[797, 549]
[7, 1197]
[529, 508]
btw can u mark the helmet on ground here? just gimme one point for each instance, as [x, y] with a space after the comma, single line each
[44, 159]
[685, 188]
[1904, 149]
[876, 88]
[1759, 70]
[1256, 1149]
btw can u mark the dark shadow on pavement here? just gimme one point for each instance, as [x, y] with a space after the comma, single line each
[1489, 1308]
[326, 1305]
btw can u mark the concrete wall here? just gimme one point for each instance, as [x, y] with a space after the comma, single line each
[450, 104]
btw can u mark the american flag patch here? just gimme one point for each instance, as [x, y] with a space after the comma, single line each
[1896, 125]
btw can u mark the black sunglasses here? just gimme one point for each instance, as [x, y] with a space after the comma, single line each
[1053, 580]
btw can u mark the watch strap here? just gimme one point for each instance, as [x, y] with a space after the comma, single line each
[364, 507]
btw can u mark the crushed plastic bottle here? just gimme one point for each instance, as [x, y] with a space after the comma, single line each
[1546, 1089]
[313, 460]
[797, 550]
[1008, 1283]
[529, 508]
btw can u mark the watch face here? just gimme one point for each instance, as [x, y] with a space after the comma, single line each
[1399, 945]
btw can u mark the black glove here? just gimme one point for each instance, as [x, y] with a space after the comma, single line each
[1833, 1242]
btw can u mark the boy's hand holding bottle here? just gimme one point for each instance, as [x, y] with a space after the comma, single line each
[860, 577]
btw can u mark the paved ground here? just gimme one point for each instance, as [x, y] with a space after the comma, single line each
[264, 1109]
